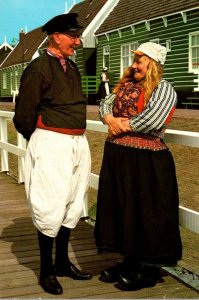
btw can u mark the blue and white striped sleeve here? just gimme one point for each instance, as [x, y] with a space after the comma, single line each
[106, 106]
[153, 117]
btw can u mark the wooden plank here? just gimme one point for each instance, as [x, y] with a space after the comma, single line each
[97, 289]
[19, 257]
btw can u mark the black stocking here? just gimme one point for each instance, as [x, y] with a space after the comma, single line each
[61, 256]
[46, 247]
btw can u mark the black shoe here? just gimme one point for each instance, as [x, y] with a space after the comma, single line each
[72, 272]
[111, 274]
[148, 277]
[51, 285]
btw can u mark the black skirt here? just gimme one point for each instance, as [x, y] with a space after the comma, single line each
[137, 207]
[101, 94]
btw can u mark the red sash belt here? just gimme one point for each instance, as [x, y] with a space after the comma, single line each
[41, 125]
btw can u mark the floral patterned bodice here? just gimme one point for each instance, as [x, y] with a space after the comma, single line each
[127, 102]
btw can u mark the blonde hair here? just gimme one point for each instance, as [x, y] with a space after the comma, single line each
[151, 81]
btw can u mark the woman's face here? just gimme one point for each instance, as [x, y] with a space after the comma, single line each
[140, 67]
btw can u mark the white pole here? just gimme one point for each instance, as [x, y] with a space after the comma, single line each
[66, 7]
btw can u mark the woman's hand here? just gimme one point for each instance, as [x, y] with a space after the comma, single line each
[126, 124]
[116, 125]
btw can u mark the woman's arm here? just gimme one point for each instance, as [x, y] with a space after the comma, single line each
[106, 106]
[153, 117]
[115, 125]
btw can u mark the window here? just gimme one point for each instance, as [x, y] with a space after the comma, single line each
[126, 55]
[168, 45]
[11, 82]
[16, 81]
[4, 81]
[106, 56]
[194, 52]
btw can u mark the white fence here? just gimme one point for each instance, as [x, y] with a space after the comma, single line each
[188, 218]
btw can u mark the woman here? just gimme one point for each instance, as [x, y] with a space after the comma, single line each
[103, 89]
[137, 209]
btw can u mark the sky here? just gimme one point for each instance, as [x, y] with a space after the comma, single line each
[28, 15]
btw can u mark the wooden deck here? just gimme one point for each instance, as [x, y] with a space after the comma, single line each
[19, 258]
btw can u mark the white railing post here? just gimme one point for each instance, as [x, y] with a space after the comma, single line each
[85, 208]
[4, 138]
[188, 218]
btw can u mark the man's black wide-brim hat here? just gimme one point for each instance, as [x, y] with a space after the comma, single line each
[62, 23]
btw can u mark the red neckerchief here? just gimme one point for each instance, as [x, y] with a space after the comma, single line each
[61, 59]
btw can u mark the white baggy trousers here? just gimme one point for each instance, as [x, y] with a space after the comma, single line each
[57, 171]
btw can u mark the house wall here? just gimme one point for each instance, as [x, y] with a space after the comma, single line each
[90, 60]
[86, 61]
[13, 81]
[115, 41]
[177, 63]
[79, 60]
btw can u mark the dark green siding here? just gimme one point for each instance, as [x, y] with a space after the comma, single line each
[86, 61]
[79, 59]
[6, 93]
[115, 42]
[176, 67]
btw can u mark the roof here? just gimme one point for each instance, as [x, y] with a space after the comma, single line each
[87, 10]
[127, 13]
[26, 48]
[4, 51]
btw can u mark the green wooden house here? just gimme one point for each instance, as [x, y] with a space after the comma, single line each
[5, 49]
[172, 23]
[112, 28]
[31, 44]
[12, 67]
[91, 13]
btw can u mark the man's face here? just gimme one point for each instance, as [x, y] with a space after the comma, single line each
[68, 43]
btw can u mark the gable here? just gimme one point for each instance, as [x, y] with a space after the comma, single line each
[88, 10]
[25, 49]
[127, 13]
[4, 51]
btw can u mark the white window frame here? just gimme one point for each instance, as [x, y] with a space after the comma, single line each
[168, 45]
[16, 81]
[11, 82]
[4, 80]
[106, 56]
[127, 56]
[194, 52]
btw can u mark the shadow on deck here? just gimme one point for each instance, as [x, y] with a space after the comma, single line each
[19, 257]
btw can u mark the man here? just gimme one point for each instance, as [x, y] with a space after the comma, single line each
[51, 114]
